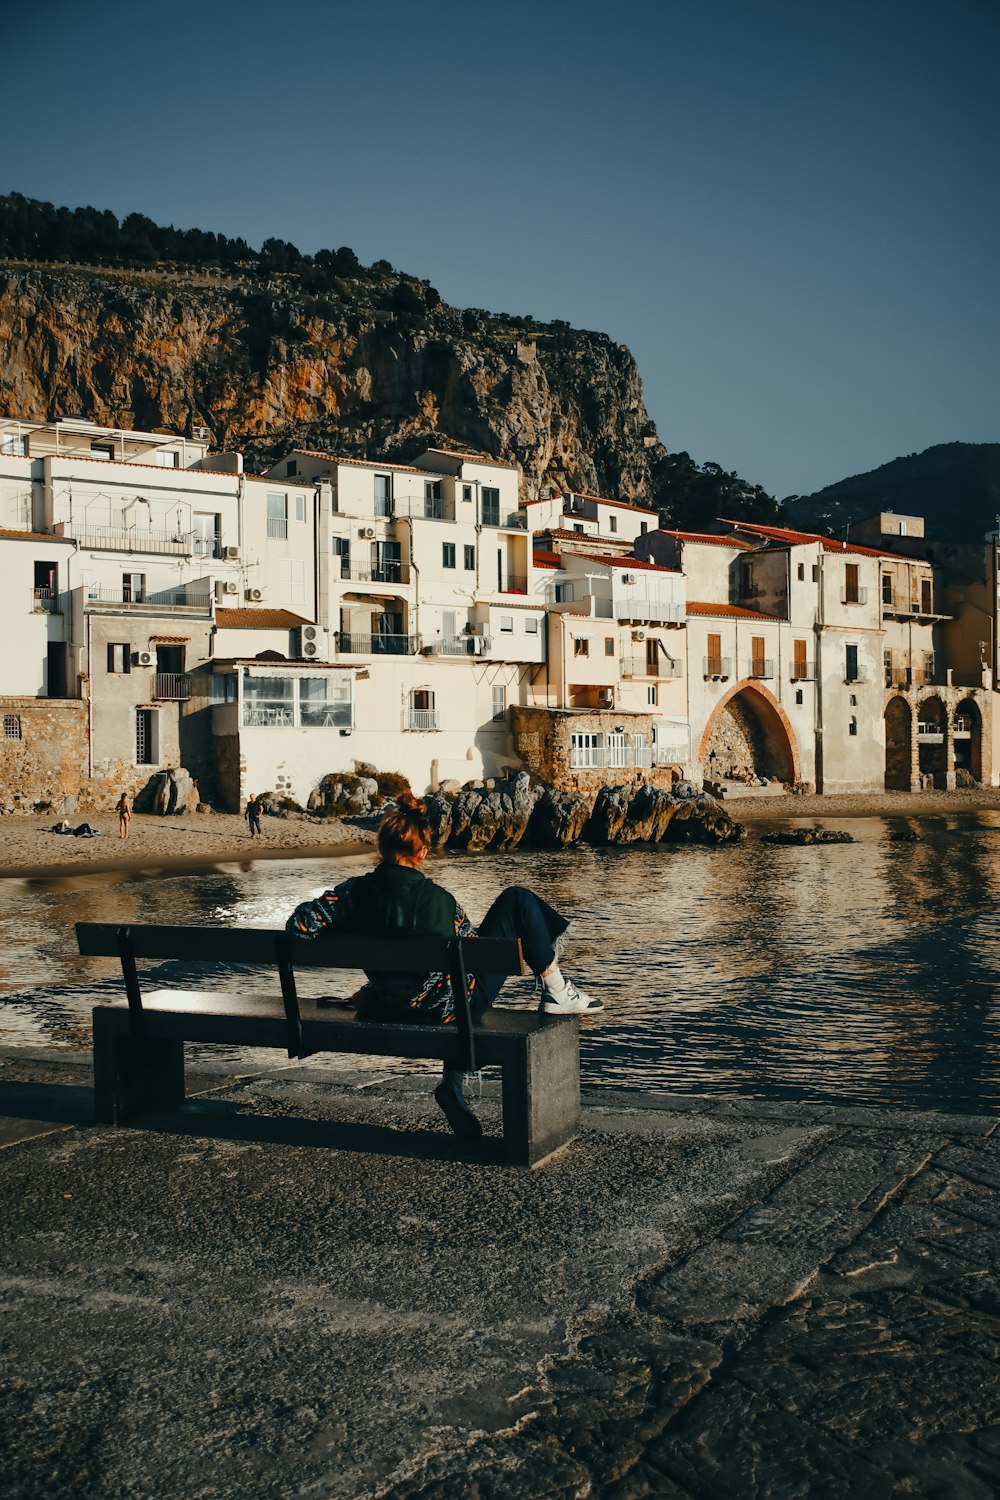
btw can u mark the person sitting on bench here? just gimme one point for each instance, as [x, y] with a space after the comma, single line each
[396, 897]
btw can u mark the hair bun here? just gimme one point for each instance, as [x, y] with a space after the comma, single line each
[411, 803]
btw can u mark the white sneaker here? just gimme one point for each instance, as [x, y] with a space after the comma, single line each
[569, 1002]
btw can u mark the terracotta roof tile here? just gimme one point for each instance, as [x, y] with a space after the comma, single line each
[472, 458]
[710, 539]
[258, 619]
[33, 536]
[631, 563]
[802, 538]
[545, 559]
[361, 463]
[729, 611]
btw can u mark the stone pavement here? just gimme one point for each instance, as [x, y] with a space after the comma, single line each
[695, 1298]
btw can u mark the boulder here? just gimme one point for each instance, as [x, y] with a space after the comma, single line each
[173, 792]
[559, 818]
[807, 836]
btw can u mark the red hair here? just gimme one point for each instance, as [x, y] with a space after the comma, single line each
[406, 830]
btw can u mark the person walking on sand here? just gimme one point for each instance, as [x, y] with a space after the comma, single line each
[124, 810]
[396, 897]
[254, 808]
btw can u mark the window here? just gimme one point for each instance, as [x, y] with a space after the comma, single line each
[432, 489]
[291, 468]
[585, 751]
[422, 712]
[798, 695]
[466, 491]
[801, 572]
[342, 549]
[506, 624]
[300, 507]
[383, 494]
[307, 702]
[14, 445]
[757, 668]
[652, 657]
[652, 695]
[205, 534]
[852, 593]
[612, 523]
[851, 664]
[448, 554]
[133, 588]
[852, 728]
[617, 749]
[902, 528]
[499, 701]
[578, 527]
[224, 687]
[433, 505]
[45, 583]
[145, 733]
[886, 588]
[277, 517]
[166, 458]
[491, 506]
[387, 558]
[469, 554]
[104, 451]
[643, 528]
[714, 664]
[799, 668]
[12, 726]
[747, 579]
[815, 572]
[609, 645]
[925, 596]
[531, 625]
[581, 647]
[119, 656]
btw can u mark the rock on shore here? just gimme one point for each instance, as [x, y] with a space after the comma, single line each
[501, 814]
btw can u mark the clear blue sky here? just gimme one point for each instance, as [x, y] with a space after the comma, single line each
[788, 211]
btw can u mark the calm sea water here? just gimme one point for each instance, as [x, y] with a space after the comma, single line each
[856, 973]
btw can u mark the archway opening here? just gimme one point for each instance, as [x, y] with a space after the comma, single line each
[898, 728]
[931, 738]
[969, 739]
[748, 742]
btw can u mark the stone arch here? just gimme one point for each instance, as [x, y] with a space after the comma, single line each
[761, 727]
[898, 740]
[932, 738]
[969, 740]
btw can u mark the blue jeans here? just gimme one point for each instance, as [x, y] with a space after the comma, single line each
[518, 913]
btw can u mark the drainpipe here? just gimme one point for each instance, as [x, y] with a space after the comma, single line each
[90, 708]
[818, 686]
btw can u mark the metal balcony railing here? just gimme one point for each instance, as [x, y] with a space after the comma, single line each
[387, 572]
[135, 598]
[669, 755]
[718, 666]
[134, 539]
[423, 718]
[854, 596]
[460, 645]
[376, 645]
[175, 686]
[422, 509]
[45, 600]
[277, 528]
[640, 666]
[802, 671]
[761, 667]
[514, 585]
[647, 611]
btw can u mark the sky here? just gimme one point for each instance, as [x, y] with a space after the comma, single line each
[787, 211]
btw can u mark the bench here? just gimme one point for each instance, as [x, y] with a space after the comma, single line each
[139, 1049]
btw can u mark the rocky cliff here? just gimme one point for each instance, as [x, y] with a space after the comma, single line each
[372, 366]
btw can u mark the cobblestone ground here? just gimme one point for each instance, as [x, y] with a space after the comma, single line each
[840, 1336]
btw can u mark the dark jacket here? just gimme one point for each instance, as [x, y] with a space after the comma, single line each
[394, 899]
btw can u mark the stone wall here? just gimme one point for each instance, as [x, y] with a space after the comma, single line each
[736, 750]
[47, 766]
[542, 741]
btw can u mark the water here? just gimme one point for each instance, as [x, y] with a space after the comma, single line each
[863, 973]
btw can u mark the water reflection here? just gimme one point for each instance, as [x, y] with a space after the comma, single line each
[862, 972]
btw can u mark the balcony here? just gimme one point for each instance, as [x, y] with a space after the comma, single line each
[718, 666]
[802, 671]
[94, 596]
[277, 528]
[854, 596]
[387, 572]
[170, 687]
[930, 733]
[514, 585]
[647, 611]
[458, 645]
[423, 718]
[45, 601]
[639, 666]
[669, 755]
[761, 668]
[376, 645]
[906, 606]
[424, 509]
[134, 539]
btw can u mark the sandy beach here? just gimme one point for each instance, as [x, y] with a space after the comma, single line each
[195, 840]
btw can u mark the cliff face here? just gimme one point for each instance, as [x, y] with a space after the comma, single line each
[268, 365]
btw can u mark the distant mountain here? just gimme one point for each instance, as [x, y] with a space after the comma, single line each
[954, 486]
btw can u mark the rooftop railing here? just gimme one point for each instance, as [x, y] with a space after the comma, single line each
[136, 539]
[95, 595]
[350, 644]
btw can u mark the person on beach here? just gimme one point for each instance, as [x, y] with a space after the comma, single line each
[124, 811]
[252, 813]
[396, 897]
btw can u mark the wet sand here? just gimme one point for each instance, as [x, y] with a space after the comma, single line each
[868, 805]
[191, 841]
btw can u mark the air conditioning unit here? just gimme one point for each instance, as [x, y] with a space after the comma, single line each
[255, 595]
[606, 697]
[229, 587]
[628, 578]
[638, 635]
[366, 531]
[145, 658]
[311, 642]
[230, 553]
[309, 632]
